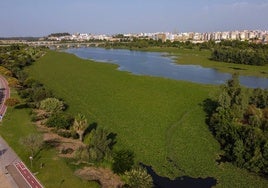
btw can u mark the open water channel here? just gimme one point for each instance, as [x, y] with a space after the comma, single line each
[162, 65]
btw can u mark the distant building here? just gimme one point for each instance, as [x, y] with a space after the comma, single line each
[161, 36]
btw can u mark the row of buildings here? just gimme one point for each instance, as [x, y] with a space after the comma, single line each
[216, 36]
[256, 35]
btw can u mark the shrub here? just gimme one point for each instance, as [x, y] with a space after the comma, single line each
[13, 82]
[123, 161]
[74, 135]
[138, 177]
[52, 105]
[34, 117]
[64, 133]
[12, 102]
[82, 154]
[40, 94]
[60, 121]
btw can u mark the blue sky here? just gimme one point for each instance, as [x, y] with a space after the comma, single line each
[42, 17]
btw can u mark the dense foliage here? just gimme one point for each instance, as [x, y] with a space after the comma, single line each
[123, 161]
[146, 43]
[60, 120]
[13, 59]
[240, 53]
[240, 124]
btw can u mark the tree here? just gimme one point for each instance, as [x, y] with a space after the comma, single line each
[33, 142]
[265, 157]
[259, 98]
[238, 152]
[80, 125]
[123, 161]
[233, 97]
[239, 123]
[138, 177]
[99, 144]
[52, 105]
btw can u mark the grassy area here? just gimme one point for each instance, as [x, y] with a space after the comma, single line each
[55, 173]
[197, 57]
[161, 120]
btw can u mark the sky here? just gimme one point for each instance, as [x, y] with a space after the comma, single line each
[41, 17]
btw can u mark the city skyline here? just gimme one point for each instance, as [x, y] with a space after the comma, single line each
[32, 18]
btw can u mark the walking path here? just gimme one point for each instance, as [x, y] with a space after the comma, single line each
[7, 157]
[4, 94]
[13, 172]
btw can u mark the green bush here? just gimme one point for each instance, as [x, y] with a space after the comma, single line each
[138, 177]
[60, 121]
[64, 133]
[52, 105]
[74, 135]
[123, 161]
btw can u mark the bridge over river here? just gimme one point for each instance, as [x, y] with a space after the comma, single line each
[53, 44]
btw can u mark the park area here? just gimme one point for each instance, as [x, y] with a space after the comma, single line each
[161, 120]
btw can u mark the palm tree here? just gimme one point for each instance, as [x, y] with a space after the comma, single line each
[80, 125]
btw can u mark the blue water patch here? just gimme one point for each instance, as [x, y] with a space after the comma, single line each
[161, 65]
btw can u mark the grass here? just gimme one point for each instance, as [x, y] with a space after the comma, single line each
[201, 57]
[56, 172]
[161, 120]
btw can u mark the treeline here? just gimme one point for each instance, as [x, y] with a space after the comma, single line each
[13, 60]
[240, 53]
[239, 121]
[20, 38]
[59, 34]
[15, 57]
[147, 43]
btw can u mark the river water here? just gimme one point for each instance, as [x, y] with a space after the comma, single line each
[162, 65]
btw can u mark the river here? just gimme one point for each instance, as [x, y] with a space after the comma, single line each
[161, 65]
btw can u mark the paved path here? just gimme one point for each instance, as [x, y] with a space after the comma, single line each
[27, 175]
[13, 172]
[4, 94]
[7, 155]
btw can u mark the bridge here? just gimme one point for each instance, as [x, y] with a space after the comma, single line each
[54, 44]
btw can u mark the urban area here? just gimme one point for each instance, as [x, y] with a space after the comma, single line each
[196, 37]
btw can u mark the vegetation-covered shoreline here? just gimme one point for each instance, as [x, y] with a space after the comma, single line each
[151, 116]
[204, 54]
[165, 124]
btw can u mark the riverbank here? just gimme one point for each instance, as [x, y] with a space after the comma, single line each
[162, 65]
[161, 120]
[202, 58]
